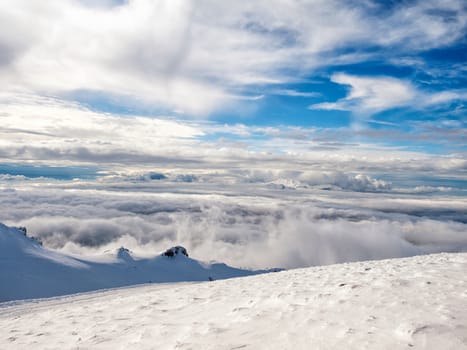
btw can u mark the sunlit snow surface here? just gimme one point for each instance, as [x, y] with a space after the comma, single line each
[28, 270]
[416, 302]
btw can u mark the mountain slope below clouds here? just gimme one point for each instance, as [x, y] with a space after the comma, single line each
[28, 270]
[416, 302]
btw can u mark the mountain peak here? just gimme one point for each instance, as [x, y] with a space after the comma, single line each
[174, 251]
[24, 262]
[124, 254]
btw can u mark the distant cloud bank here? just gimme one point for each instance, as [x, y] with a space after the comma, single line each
[245, 223]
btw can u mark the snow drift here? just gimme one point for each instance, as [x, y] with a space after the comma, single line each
[28, 270]
[410, 303]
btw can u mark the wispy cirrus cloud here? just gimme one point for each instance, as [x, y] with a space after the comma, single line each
[371, 95]
[199, 58]
[294, 93]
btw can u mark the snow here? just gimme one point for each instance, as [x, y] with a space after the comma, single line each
[416, 302]
[28, 270]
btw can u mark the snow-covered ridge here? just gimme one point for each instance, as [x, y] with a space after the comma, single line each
[410, 303]
[28, 270]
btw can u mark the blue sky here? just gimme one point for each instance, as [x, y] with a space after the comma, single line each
[286, 77]
[431, 65]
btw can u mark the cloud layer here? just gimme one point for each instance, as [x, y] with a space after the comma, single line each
[48, 131]
[244, 224]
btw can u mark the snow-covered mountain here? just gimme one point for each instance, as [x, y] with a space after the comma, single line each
[417, 302]
[28, 270]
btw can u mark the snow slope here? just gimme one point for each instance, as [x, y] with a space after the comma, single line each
[417, 302]
[28, 270]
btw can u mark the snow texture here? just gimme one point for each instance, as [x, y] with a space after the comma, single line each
[416, 302]
[28, 270]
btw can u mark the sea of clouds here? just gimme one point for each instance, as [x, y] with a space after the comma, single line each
[253, 219]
